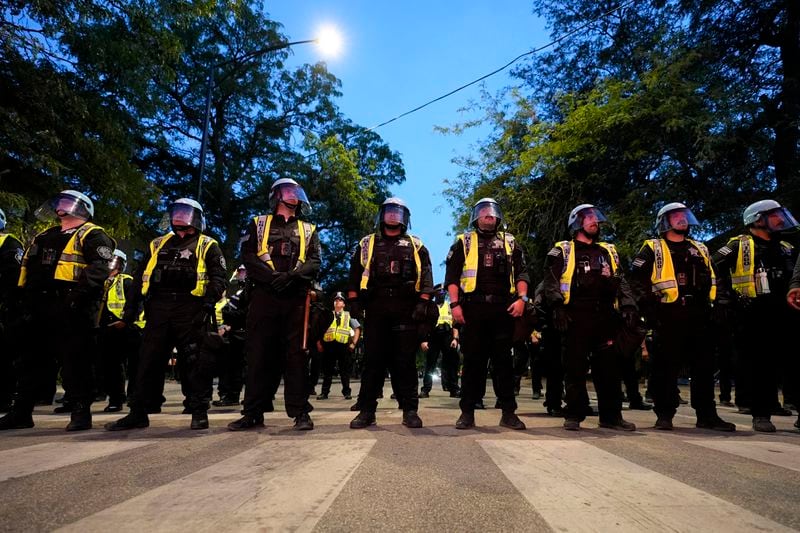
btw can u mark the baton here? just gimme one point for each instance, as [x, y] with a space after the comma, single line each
[305, 321]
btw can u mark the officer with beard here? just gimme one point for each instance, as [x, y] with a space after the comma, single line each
[234, 319]
[391, 277]
[62, 277]
[180, 280]
[487, 280]
[11, 252]
[442, 341]
[674, 284]
[281, 253]
[582, 283]
[754, 271]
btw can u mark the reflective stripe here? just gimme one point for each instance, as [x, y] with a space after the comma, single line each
[445, 315]
[663, 279]
[568, 271]
[263, 222]
[469, 272]
[743, 277]
[204, 242]
[71, 261]
[340, 333]
[368, 243]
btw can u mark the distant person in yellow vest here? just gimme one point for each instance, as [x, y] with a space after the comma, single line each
[754, 270]
[118, 342]
[180, 280]
[442, 341]
[281, 253]
[583, 284]
[338, 344]
[62, 276]
[487, 280]
[11, 252]
[391, 280]
[234, 319]
[673, 281]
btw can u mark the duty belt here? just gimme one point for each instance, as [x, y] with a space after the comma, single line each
[487, 298]
[174, 296]
[390, 292]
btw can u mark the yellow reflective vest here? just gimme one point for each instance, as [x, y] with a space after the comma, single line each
[743, 278]
[663, 279]
[469, 274]
[115, 298]
[263, 222]
[445, 316]
[204, 242]
[567, 248]
[4, 236]
[339, 332]
[71, 262]
[367, 247]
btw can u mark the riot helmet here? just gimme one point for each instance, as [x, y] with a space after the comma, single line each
[582, 217]
[2, 220]
[118, 261]
[675, 216]
[393, 214]
[291, 194]
[184, 213]
[66, 203]
[339, 296]
[770, 215]
[486, 207]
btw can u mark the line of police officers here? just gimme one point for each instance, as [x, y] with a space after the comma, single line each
[70, 277]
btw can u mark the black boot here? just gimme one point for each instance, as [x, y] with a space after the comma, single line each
[363, 420]
[411, 419]
[16, 420]
[511, 421]
[246, 422]
[199, 421]
[133, 420]
[466, 420]
[81, 418]
[303, 423]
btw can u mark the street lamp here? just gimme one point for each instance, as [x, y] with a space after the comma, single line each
[329, 41]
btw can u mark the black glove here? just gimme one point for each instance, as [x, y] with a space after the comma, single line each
[630, 315]
[420, 314]
[281, 281]
[561, 318]
[356, 311]
[723, 313]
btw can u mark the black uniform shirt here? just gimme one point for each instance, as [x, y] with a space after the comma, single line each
[691, 273]
[393, 266]
[284, 249]
[10, 261]
[493, 265]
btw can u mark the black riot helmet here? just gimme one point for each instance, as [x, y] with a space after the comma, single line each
[393, 213]
[483, 208]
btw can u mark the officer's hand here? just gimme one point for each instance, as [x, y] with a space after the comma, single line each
[458, 315]
[424, 346]
[517, 308]
[118, 324]
[319, 346]
[631, 317]
[351, 347]
[454, 343]
[281, 281]
[561, 318]
[793, 298]
[356, 311]
[420, 313]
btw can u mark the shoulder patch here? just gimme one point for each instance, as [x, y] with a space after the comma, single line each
[724, 250]
[18, 256]
[555, 252]
[222, 263]
[637, 262]
[105, 252]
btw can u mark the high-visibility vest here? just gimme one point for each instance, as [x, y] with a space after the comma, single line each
[445, 315]
[71, 262]
[339, 332]
[367, 247]
[4, 236]
[263, 222]
[469, 274]
[204, 242]
[218, 309]
[743, 278]
[115, 298]
[567, 249]
[663, 279]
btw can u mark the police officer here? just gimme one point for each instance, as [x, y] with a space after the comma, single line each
[390, 276]
[180, 280]
[62, 277]
[281, 253]
[793, 299]
[550, 346]
[674, 284]
[11, 252]
[234, 320]
[119, 343]
[338, 343]
[582, 283]
[442, 341]
[487, 280]
[754, 270]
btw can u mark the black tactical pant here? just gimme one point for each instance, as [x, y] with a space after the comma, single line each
[174, 321]
[439, 344]
[681, 336]
[336, 355]
[274, 345]
[487, 336]
[231, 368]
[55, 328]
[589, 342]
[550, 347]
[116, 347]
[391, 343]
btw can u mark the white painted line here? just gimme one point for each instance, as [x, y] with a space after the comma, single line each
[575, 486]
[29, 460]
[780, 454]
[276, 486]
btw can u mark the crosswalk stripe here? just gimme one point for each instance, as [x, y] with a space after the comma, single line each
[780, 454]
[575, 486]
[278, 486]
[28, 460]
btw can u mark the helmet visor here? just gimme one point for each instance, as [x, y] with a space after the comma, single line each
[678, 219]
[587, 218]
[62, 205]
[393, 215]
[780, 220]
[291, 194]
[486, 209]
[182, 216]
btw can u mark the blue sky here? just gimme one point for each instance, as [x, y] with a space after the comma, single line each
[399, 55]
